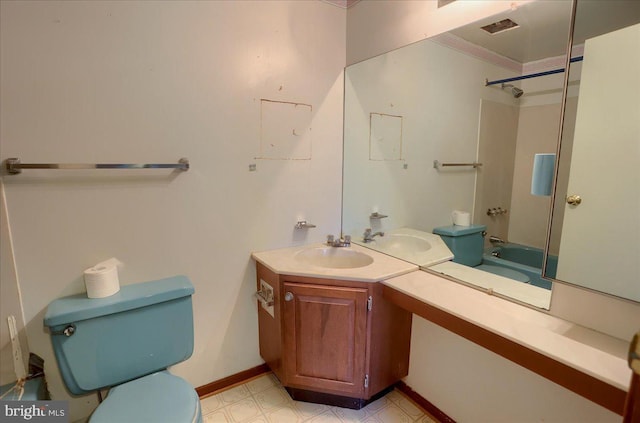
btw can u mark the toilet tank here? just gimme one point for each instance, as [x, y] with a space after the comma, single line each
[465, 242]
[143, 328]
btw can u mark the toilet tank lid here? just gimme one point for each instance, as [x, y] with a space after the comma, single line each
[455, 230]
[79, 307]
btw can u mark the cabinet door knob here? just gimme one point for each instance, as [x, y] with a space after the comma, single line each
[288, 296]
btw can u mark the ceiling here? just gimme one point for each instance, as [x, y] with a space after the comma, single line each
[544, 27]
[342, 3]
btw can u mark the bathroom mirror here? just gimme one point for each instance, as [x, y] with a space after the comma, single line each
[593, 240]
[427, 102]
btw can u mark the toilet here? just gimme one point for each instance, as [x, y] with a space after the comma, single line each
[467, 245]
[125, 342]
[465, 242]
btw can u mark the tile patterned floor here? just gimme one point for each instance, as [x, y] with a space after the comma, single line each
[264, 400]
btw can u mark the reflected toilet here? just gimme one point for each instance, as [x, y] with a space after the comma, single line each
[467, 245]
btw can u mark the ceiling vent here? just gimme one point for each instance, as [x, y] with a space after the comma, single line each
[503, 25]
[442, 3]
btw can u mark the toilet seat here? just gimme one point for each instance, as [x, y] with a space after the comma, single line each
[158, 397]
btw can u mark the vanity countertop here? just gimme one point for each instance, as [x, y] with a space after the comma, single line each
[283, 261]
[587, 362]
[593, 353]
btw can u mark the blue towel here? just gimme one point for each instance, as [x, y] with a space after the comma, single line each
[542, 175]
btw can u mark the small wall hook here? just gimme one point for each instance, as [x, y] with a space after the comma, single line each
[303, 224]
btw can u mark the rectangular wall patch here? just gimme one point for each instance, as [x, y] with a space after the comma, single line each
[285, 130]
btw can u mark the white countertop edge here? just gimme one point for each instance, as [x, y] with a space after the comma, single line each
[524, 292]
[384, 267]
[316, 273]
[498, 316]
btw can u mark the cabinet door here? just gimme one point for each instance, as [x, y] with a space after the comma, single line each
[325, 338]
[632, 406]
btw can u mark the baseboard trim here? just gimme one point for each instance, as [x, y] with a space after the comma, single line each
[235, 379]
[335, 400]
[424, 403]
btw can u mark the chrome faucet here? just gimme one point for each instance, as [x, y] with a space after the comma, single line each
[496, 240]
[368, 235]
[344, 241]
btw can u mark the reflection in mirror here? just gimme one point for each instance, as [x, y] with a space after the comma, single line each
[595, 228]
[427, 102]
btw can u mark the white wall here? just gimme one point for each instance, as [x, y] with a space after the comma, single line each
[152, 82]
[497, 131]
[474, 385]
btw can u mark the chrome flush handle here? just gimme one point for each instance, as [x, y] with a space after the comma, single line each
[69, 330]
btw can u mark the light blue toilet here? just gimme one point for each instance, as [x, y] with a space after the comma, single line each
[125, 342]
[465, 242]
[467, 245]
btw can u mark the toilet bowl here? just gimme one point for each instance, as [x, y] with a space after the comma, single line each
[159, 397]
[125, 342]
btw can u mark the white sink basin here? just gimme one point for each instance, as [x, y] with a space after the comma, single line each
[398, 243]
[417, 247]
[333, 257]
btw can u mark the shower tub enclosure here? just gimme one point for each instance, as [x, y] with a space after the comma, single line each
[523, 259]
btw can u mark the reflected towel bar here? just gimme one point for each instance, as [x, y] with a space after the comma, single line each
[438, 165]
[14, 166]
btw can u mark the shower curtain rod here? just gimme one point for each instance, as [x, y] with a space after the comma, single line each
[531, 75]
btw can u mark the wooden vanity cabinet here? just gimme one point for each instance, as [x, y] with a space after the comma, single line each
[325, 335]
[333, 341]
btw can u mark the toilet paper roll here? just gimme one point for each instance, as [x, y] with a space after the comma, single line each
[102, 280]
[461, 218]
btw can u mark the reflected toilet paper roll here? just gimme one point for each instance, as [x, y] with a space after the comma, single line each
[101, 280]
[461, 218]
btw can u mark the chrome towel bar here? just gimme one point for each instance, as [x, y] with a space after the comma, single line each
[438, 165]
[14, 166]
